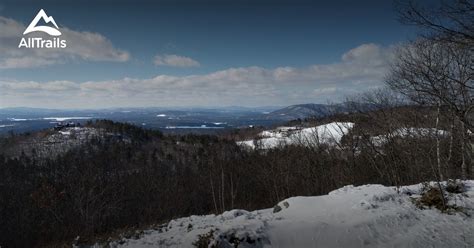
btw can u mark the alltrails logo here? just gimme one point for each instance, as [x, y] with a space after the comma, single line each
[39, 42]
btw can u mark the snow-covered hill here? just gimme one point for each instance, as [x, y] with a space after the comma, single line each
[330, 134]
[50, 143]
[364, 216]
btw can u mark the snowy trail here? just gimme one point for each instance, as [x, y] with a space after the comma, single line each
[339, 220]
[365, 216]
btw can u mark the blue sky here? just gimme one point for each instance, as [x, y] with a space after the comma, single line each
[188, 48]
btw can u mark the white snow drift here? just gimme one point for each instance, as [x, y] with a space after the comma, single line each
[364, 216]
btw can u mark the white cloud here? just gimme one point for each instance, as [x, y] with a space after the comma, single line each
[81, 45]
[363, 53]
[360, 69]
[25, 62]
[175, 60]
[31, 86]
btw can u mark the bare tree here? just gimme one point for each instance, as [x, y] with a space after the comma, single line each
[437, 73]
[451, 21]
[438, 69]
[431, 72]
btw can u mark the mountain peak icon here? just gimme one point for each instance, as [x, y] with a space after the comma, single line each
[47, 19]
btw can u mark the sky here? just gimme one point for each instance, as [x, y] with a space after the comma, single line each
[197, 53]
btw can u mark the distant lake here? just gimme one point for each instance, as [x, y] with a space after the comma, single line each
[166, 121]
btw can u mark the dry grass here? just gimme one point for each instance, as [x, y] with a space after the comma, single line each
[434, 196]
[204, 240]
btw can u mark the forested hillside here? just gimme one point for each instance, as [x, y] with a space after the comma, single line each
[126, 176]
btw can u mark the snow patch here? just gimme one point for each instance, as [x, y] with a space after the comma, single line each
[411, 132]
[363, 216]
[330, 133]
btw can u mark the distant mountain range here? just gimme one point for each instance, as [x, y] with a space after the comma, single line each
[29, 110]
[302, 111]
[269, 112]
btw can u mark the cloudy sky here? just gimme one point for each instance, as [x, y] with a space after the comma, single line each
[197, 53]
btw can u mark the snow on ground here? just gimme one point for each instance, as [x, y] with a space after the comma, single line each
[65, 132]
[56, 142]
[330, 133]
[364, 216]
[412, 132]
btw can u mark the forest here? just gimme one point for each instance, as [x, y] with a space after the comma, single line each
[144, 177]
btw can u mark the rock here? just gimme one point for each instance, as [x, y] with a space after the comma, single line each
[277, 209]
